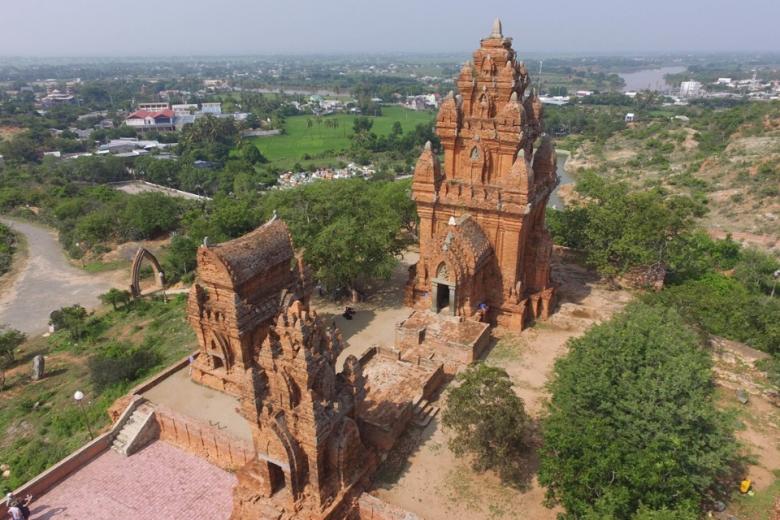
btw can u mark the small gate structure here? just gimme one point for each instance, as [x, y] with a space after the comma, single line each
[135, 271]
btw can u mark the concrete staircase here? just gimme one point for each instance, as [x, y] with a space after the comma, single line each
[423, 412]
[138, 430]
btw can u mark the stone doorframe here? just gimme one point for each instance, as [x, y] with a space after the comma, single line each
[135, 271]
[435, 283]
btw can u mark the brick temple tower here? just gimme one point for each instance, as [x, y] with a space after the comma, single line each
[482, 234]
[242, 285]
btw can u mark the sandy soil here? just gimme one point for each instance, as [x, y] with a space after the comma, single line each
[375, 319]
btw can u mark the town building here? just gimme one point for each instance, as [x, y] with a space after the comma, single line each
[143, 119]
[153, 107]
[55, 98]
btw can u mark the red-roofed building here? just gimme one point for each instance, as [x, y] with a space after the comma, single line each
[151, 120]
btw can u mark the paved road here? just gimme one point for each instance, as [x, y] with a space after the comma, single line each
[46, 282]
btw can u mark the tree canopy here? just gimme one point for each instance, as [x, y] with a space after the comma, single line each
[620, 228]
[631, 421]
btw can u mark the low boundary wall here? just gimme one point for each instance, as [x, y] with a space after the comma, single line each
[201, 439]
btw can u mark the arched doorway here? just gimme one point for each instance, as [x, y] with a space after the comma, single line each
[443, 290]
[135, 271]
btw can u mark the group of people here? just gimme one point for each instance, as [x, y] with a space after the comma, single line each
[18, 509]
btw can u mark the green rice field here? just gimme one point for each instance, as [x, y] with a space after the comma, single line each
[321, 141]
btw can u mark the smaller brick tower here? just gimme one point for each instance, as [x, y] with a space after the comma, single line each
[484, 247]
[242, 285]
[309, 453]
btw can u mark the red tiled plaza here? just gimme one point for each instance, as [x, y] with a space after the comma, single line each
[160, 481]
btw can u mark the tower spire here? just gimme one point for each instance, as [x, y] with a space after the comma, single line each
[496, 32]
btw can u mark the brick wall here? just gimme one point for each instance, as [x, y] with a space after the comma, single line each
[203, 440]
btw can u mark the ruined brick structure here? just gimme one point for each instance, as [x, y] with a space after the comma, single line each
[242, 285]
[482, 233]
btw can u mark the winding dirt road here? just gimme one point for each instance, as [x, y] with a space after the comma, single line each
[47, 282]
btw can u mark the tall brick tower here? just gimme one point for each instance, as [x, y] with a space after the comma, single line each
[483, 242]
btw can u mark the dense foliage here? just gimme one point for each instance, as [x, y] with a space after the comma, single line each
[121, 362]
[631, 421]
[721, 305]
[488, 421]
[10, 339]
[620, 228]
[7, 248]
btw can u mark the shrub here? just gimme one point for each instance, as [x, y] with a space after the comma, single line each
[120, 362]
[488, 421]
[723, 306]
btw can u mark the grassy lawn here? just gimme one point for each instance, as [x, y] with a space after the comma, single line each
[320, 141]
[100, 267]
[39, 421]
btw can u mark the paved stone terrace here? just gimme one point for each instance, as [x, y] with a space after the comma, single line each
[179, 393]
[159, 481]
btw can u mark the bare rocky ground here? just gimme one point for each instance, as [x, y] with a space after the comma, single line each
[742, 198]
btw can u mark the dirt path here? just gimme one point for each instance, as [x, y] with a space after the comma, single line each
[47, 282]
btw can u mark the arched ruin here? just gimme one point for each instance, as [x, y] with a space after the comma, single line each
[135, 271]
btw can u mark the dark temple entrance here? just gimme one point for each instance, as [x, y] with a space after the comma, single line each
[277, 477]
[442, 297]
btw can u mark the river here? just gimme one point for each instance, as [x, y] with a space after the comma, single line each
[555, 200]
[47, 282]
[649, 79]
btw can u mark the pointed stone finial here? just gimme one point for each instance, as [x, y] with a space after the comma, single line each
[496, 33]
[428, 146]
[450, 95]
[513, 97]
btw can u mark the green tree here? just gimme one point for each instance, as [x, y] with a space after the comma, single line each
[253, 155]
[362, 125]
[10, 340]
[72, 319]
[720, 305]
[631, 421]
[115, 297]
[488, 421]
[620, 228]
[755, 270]
[348, 233]
[148, 215]
[180, 257]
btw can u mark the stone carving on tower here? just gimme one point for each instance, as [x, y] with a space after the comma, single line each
[482, 210]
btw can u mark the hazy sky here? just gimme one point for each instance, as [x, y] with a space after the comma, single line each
[186, 27]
